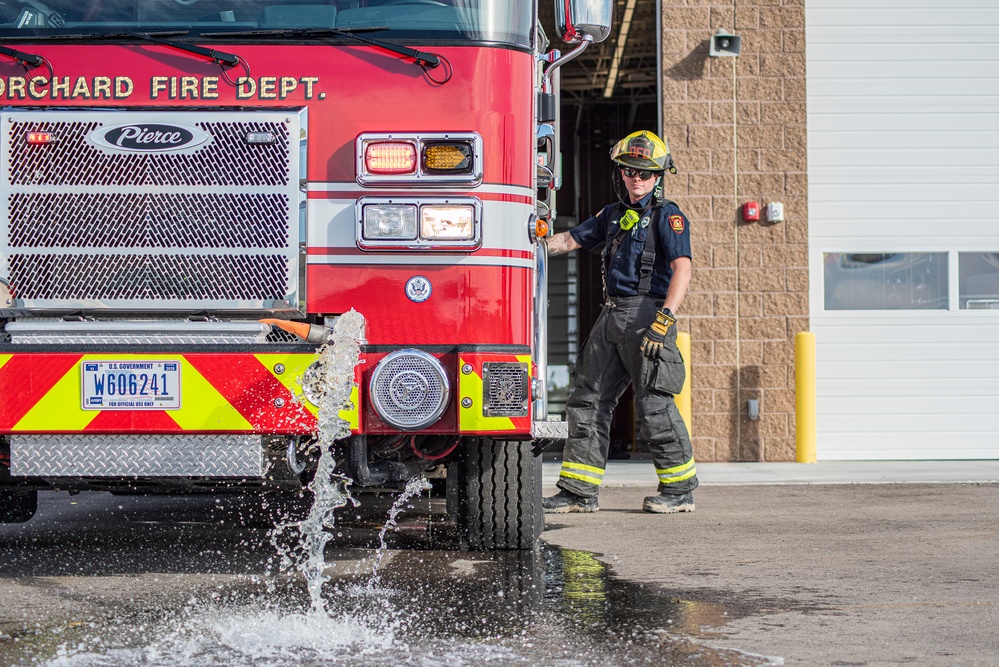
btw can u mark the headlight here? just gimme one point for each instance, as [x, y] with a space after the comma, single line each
[409, 223]
[390, 221]
[447, 223]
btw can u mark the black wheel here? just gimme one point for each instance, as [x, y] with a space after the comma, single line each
[495, 492]
[17, 506]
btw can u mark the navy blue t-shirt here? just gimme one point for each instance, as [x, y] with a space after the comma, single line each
[672, 241]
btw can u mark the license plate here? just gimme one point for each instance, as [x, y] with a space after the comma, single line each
[131, 385]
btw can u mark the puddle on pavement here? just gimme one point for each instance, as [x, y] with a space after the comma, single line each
[551, 607]
[424, 606]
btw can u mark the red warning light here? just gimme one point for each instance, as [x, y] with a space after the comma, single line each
[389, 157]
[36, 138]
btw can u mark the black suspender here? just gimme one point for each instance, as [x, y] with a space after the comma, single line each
[648, 253]
[648, 257]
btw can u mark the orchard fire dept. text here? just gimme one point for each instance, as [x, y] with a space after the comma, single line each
[160, 87]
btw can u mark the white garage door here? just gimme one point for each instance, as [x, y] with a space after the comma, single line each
[903, 168]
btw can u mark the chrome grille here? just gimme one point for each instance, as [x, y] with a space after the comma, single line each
[146, 220]
[409, 389]
[225, 161]
[147, 279]
[211, 227]
[506, 389]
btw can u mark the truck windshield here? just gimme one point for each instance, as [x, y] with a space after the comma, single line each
[505, 21]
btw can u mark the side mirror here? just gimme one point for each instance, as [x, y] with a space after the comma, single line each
[583, 20]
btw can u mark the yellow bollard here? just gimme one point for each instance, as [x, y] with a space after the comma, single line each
[683, 400]
[804, 396]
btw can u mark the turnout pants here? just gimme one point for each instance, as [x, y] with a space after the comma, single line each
[610, 360]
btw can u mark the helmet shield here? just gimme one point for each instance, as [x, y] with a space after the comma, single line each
[643, 150]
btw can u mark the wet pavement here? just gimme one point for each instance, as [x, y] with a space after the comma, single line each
[811, 574]
[820, 574]
[96, 579]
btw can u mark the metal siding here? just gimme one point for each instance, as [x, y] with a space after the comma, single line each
[903, 155]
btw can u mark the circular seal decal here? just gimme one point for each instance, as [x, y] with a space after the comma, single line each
[418, 289]
[408, 390]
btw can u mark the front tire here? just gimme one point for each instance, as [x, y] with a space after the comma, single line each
[495, 487]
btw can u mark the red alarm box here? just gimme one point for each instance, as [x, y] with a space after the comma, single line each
[751, 211]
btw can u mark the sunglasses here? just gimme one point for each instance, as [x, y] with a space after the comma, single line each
[643, 174]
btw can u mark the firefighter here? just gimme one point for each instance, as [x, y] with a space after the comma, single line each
[644, 240]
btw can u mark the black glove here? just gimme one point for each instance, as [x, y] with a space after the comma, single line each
[655, 334]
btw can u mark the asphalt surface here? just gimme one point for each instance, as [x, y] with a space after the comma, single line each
[96, 580]
[826, 564]
[844, 563]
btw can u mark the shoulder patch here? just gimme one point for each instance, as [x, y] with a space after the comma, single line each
[676, 223]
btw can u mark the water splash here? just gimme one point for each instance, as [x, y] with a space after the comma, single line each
[330, 489]
[332, 384]
[413, 488]
[434, 608]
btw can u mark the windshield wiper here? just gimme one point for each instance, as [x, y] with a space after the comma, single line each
[422, 58]
[219, 57]
[23, 58]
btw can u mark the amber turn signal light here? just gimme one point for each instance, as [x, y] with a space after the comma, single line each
[447, 158]
[541, 228]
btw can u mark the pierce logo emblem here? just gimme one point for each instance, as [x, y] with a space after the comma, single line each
[148, 137]
[676, 223]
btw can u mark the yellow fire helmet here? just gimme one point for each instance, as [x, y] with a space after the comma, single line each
[643, 150]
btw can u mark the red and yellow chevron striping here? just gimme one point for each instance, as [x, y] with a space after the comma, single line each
[218, 392]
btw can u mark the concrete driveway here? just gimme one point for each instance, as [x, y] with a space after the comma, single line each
[881, 571]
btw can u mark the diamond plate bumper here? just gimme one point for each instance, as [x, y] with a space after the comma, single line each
[549, 430]
[136, 456]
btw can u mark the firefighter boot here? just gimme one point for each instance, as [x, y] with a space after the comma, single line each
[667, 503]
[564, 502]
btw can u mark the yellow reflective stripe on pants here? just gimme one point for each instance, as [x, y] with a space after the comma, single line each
[677, 473]
[577, 470]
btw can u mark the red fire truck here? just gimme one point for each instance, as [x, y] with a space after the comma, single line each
[194, 190]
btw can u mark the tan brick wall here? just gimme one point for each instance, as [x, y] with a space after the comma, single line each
[749, 294]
